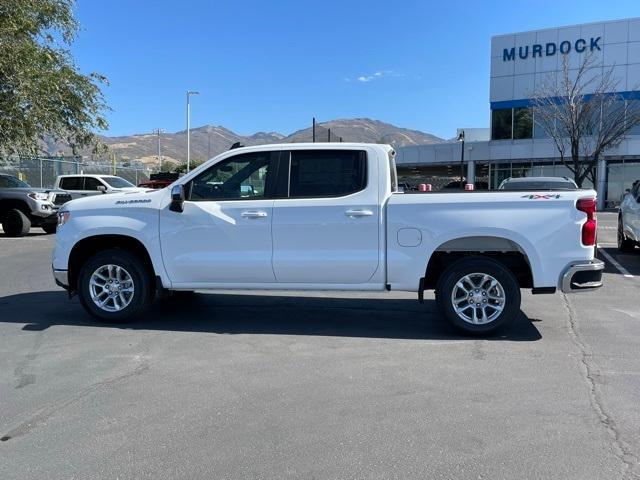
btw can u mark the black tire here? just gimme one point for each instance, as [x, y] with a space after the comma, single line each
[625, 245]
[15, 223]
[142, 281]
[49, 227]
[470, 266]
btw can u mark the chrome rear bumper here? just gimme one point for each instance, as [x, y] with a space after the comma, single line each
[582, 276]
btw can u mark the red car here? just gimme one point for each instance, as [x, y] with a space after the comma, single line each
[156, 184]
[160, 180]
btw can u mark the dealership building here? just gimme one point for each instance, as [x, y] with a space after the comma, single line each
[514, 145]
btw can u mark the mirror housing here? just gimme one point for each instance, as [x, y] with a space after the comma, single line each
[102, 188]
[177, 198]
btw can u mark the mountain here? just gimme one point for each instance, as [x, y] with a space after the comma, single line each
[363, 130]
[209, 140]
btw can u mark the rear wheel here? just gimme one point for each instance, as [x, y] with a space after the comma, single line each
[624, 244]
[15, 223]
[478, 295]
[115, 286]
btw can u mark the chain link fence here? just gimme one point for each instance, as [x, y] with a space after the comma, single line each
[42, 172]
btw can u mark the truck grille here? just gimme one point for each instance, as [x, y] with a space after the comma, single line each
[61, 198]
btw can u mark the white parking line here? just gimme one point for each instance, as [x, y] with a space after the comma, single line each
[614, 262]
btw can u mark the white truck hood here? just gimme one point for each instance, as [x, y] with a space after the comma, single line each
[138, 197]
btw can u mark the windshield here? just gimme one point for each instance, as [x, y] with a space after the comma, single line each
[538, 186]
[117, 182]
[8, 181]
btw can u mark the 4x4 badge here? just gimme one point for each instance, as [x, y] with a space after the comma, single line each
[541, 197]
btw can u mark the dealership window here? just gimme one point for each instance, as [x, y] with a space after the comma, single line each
[327, 173]
[633, 106]
[501, 124]
[539, 125]
[522, 123]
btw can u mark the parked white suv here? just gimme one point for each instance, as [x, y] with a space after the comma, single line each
[629, 220]
[325, 217]
[84, 185]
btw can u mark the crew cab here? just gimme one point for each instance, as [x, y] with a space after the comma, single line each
[329, 217]
[629, 220]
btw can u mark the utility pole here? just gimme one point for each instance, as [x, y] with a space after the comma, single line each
[328, 134]
[189, 93]
[159, 132]
[313, 128]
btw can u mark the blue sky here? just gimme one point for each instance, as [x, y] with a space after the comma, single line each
[272, 65]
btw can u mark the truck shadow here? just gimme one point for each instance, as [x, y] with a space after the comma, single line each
[262, 314]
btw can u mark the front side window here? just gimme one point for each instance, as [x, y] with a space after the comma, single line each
[9, 181]
[92, 184]
[71, 183]
[118, 182]
[240, 177]
[327, 173]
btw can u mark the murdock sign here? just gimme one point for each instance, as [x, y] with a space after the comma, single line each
[551, 48]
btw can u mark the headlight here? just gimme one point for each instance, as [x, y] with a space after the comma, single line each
[63, 217]
[39, 196]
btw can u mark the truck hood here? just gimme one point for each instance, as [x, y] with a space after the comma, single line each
[139, 197]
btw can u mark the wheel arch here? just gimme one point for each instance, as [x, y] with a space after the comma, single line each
[11, 203]
[89, 246]
[503, 250]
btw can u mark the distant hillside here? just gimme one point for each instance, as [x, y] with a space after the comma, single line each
[210, 140]
[363, 130]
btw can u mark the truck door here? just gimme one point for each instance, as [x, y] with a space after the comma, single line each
[326, 228]
[223, 236]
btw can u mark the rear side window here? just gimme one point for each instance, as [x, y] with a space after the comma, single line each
[71, 183]
[327, 173]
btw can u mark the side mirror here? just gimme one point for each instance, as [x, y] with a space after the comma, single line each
[177, 198]
[102, 188]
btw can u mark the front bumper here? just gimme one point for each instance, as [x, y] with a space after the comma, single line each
[62, 278]
[45, 211]
[582, 276]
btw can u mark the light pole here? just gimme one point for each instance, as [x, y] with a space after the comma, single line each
[189, 93]
[159, 131]
[461, 139]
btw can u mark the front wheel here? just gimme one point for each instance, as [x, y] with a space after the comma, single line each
[115, 286]
[15, 223]
[478, 295]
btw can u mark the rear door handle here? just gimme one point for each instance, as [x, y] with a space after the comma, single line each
[253, 214]
[358, 213]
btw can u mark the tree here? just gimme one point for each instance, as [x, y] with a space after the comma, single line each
[42, 93]
[182, 167]
[583, 115]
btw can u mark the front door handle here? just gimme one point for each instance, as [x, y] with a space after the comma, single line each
[358, 213]
[253, 214]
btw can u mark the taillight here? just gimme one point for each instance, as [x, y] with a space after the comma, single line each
[590, 227]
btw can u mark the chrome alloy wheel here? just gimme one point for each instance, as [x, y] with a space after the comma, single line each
[478, 298]
[111, 288]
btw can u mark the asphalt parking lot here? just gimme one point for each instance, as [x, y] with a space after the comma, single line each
[317, 385]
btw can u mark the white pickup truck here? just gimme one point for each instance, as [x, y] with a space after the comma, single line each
[325, 217]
